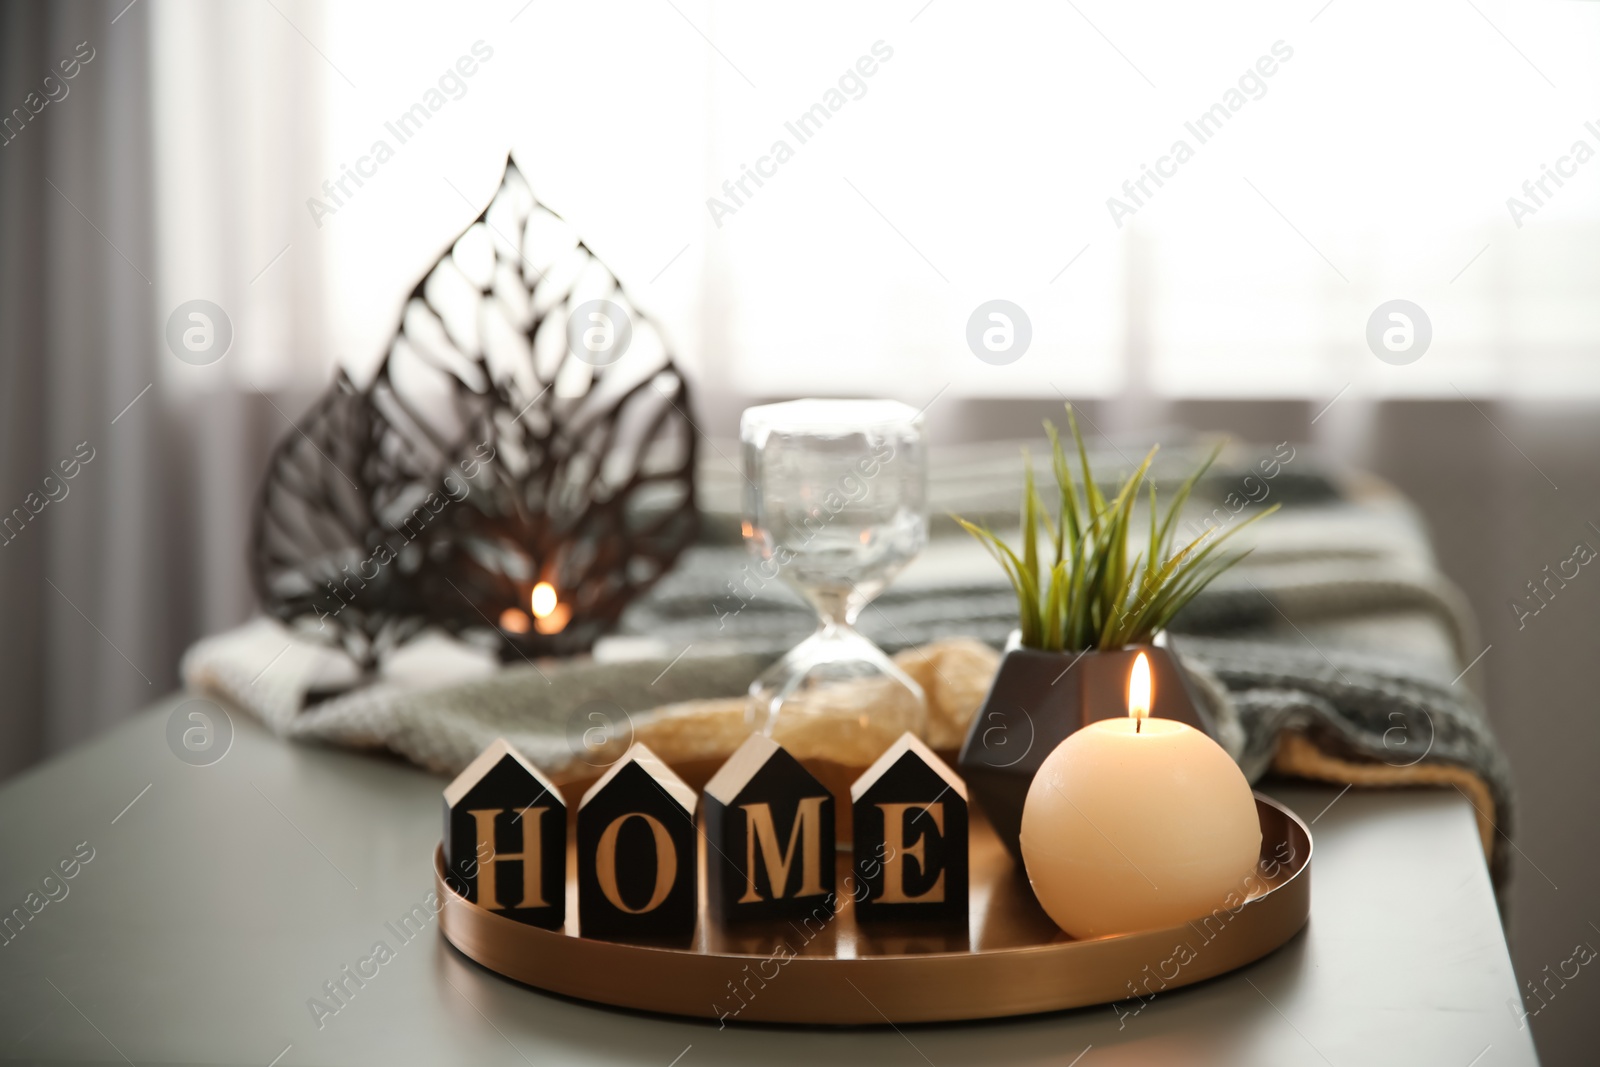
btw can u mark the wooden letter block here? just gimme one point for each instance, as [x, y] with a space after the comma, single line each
[769, 836]
[910, 821]
[638, 871]
[505, 838]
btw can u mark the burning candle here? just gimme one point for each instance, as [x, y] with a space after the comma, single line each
[1137, 823]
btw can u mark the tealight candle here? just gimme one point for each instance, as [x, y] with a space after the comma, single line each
[1137, 824]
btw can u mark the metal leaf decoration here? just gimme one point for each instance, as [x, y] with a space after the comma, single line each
[519, 468]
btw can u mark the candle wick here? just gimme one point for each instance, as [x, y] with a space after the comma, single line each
[1138, 724]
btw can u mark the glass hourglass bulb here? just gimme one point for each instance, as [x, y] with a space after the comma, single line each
[836, 500]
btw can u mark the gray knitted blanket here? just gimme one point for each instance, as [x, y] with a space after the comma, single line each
[1336, 651]
[1337, 628]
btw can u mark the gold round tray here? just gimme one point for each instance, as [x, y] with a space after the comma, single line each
[1009, 960]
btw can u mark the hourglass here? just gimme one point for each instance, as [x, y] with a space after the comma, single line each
[836, 502]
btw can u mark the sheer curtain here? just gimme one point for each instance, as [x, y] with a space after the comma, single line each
[235, 94]
[85, 563]
[165, 172]
[818, 202]
[1334, 158]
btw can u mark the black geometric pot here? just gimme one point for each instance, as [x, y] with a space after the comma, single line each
[1038, 698]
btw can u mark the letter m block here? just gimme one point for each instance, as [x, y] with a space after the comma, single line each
[770, 835]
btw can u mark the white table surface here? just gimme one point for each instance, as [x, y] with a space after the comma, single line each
[223, 898]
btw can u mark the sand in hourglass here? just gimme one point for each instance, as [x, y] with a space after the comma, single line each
[836, 731]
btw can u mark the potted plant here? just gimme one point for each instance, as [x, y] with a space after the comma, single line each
[1099, 593]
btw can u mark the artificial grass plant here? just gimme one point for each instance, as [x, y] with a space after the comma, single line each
[1090, 595]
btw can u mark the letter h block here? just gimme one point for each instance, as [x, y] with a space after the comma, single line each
[505, 838]
[909, 813]
[769, 836]
[638, 867]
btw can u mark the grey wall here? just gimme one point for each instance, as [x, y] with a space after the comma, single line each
[1497, 522]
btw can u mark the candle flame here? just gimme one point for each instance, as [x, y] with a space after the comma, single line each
[513, 620]
[550, 616]
[1139, 688]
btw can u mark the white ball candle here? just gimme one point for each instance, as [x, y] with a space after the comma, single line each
[1137, 824]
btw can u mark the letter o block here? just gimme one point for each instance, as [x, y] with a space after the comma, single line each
[638, 870]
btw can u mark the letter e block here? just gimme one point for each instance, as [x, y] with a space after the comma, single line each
[909, 813]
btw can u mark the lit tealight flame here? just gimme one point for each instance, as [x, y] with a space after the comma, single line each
[514, 620]
[550, 616]
[1139, 689]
